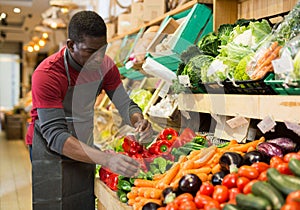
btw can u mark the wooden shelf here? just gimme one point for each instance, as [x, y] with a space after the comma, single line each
[281, 108]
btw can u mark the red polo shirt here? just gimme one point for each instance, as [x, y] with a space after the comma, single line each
[50, 83]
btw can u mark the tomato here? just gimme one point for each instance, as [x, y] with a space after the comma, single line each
[207, 188]
[221, 193]
[275, 160]
[229, 180]
[241, 182]
[172, 206]
[283, 168]
[248, 188]
[184, 197]
[233, 192]
[293, 197]
[263, 176]
[213, 204]
[291, 206]
[188, 205]
[248, 171]
[260, 166]
[288, 156]
[201, 200]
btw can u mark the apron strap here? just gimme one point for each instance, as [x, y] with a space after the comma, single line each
[67, 67]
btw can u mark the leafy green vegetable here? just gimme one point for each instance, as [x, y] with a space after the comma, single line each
[243, 22]
[189, 53]
[240, 72]
[260, 30]
[296, 71]
[196, 66]
[180, 68]
[224, 31]
[209, 44]
[141, 97]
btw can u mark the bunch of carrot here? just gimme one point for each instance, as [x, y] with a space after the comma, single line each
[264, 62]
[204, 163]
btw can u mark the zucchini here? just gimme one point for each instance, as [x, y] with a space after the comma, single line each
[266, 190]
[230, 207]
[294, 166]
[252, 202]
[122, 196]
[281, 182]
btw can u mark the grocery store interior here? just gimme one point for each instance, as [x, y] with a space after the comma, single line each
[218, 80]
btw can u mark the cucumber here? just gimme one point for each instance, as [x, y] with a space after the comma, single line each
[266, 190]
[230, 207]
[252, 202]
[281, 182]
[294, 166]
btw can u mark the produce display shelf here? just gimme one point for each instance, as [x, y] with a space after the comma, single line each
[107, 199]
[251, 106]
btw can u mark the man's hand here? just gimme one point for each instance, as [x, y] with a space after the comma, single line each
[122, 165]
[144, 131]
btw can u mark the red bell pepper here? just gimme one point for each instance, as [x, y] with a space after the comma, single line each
[168, 134]
[160, 147]
[109, 178]
[131, 146]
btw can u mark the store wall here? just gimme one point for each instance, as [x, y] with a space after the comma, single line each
[9, 80]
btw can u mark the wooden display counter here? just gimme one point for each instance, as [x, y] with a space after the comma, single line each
[107, 199]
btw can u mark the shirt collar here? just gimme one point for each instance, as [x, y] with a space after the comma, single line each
[72, 62]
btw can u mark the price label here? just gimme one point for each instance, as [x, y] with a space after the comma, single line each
[129, 65]
[284, 64]
[295, 127]
[237, 122]
[267, 124]
[184, 80]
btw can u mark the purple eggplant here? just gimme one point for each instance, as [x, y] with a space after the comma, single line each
[270, 149]
[288, 145]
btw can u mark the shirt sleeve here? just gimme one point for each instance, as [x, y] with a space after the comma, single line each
[123, 103]
[112, 77]
[48, 90]
[54, 128]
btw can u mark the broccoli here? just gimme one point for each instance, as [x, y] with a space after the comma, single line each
[209, 44]
[224, 31]
[189, 53]
[180, 68]
[196, 66]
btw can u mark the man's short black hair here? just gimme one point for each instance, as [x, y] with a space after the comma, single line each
[86, 23]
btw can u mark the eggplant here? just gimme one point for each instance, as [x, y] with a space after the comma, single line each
[287, 144]
[189, 183]
[255, 156]
[168, 195]
[150, 206]
[230, 161]
[217, 178]
[270, 149]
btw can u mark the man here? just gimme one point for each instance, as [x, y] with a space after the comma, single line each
[64, 89]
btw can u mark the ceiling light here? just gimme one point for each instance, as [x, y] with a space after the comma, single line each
[3, 15]
[42, 43]
[63, 3]
[54, 22]
[30, 49]
[17, 10]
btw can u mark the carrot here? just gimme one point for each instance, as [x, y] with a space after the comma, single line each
[144, 183]
[205, 170]
[216, 168]
[131, 201]
[170, 174]
[209, 177]
[149, 192]
[251, 149]
[194, 153]
[131, 195]
[272, 56]
[206, 157]
[143, 201]
[158, 176]
[245, 147]
[267, 52]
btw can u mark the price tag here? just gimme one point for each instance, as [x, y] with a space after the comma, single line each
[295, 127]
[237, 122]
[215, 66]
[267, 124]
[164, 90]
[184, 80]
[284, 64]
[129, 65]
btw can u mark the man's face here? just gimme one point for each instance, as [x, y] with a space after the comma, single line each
[82, 51]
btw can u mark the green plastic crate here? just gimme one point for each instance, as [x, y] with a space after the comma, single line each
[131, 73]
[281, 88]
[170, 61]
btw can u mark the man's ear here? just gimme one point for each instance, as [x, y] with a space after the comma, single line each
[70, 45]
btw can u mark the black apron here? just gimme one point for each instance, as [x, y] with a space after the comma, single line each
[58, 182]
